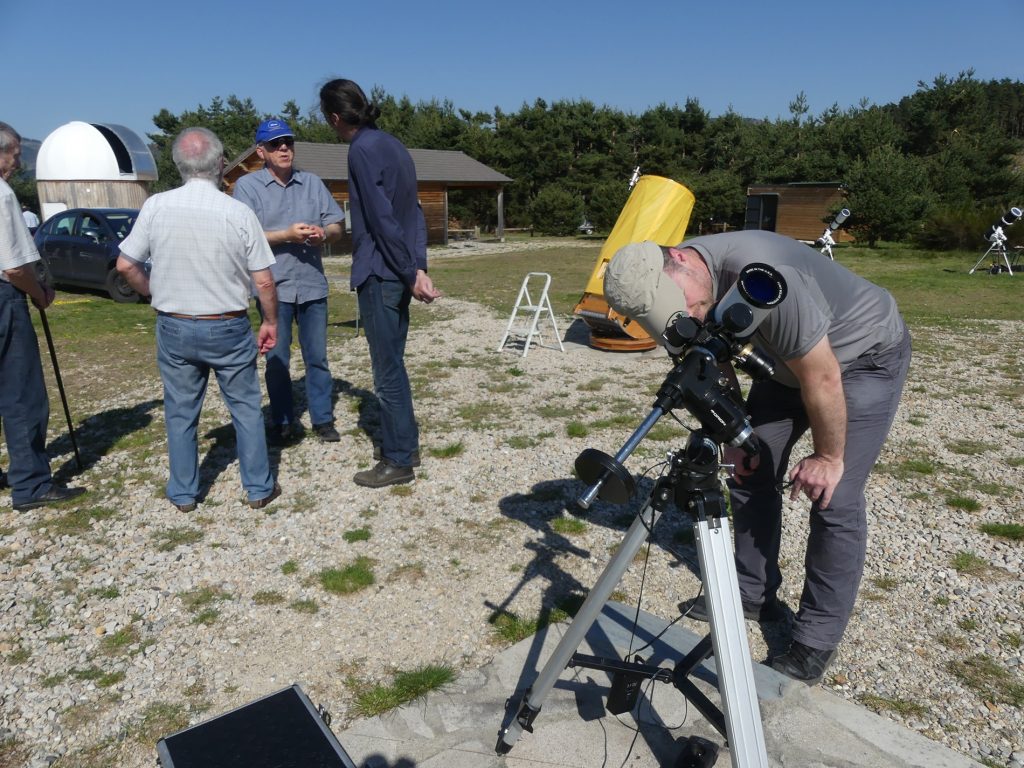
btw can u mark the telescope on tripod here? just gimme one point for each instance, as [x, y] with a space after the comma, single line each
[700, 384]
[997, 250]
[826, 241]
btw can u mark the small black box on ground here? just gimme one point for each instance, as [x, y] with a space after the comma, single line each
[282, 730]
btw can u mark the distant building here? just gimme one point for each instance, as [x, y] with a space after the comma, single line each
[800, 210]
[93, 165]
[437, 172]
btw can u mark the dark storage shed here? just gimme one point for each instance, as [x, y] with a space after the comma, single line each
[437, 171]
[800, 210]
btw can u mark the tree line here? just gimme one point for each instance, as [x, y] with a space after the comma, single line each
[938, 168]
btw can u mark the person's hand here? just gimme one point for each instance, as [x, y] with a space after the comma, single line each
[48, 296]
[266, 337]
[424, 290]
[817, 477]
[315, 235]
[300, 233]
[743, 463]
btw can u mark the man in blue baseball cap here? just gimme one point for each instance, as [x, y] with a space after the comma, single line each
[298, 216]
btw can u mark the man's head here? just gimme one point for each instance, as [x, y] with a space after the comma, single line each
[275, 146]
[10, 151]
[651, 283]
[346, 108]
[198, 154]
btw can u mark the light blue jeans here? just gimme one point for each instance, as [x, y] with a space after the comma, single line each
[311, 317]
[186, 352]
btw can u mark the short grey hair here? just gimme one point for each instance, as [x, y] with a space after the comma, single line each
[197, 152]
[8, 137]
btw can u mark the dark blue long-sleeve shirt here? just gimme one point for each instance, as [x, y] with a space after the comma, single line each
[388, 230]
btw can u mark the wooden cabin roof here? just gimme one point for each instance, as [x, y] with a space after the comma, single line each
[330, 163]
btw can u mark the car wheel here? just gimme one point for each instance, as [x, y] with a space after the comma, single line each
[119, 289]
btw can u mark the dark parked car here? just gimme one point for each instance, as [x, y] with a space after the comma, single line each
[80, 247]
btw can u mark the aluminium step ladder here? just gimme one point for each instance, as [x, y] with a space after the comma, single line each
[532, 310]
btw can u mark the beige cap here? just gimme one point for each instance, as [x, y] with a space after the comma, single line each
[636, 286]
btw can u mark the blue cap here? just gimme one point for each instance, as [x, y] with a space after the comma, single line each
[272, 129]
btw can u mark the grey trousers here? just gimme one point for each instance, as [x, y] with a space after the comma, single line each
[837, 540]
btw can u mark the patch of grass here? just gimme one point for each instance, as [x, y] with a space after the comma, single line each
[989, 679]
[268, 597]
[410, 571]
[19, 655]
[967, 625]
[576, 429]
[951, 641]
[158, 719]
[907, 468]
[106, 593]
[963, 503]
[120, 641]
[289, 567]
[75, 521]
[568, 526]
[969, 563]
[356, 534]
[556, 411]
[510, 628]
[406, 686]
[172, 538]
[886, 583]
[96, 675]
[351, 578]
[199, 602]
[305, 606]
[448, 451]
[1011, 531]
[970, 447]
[594, 385]
[899, 706]
[402, 490]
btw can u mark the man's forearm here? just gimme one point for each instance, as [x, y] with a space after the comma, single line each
[826, 411]
[268, 296]
[24, 279]
[134, 274]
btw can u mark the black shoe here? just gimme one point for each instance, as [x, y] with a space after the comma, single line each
[803, 663]
[280, 435]
[415, 456]
[3, 479]
[56, 494]
[265, 501]
[326, 432]
[769, 610]
[189, 507]
[384, 474]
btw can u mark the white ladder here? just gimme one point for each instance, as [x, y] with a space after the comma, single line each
[534, 310]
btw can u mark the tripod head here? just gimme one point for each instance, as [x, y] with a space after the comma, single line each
[697, 381]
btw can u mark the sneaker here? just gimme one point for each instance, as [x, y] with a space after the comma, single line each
[265, 501]
[189, 507]
[326, 432]
[769, 610]
[56, 494]
[803, 663]
[415, 456]
[384, 474]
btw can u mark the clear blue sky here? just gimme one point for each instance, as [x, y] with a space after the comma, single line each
[116, 61]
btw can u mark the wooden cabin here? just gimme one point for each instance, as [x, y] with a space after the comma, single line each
[437, 172]
[800, 210]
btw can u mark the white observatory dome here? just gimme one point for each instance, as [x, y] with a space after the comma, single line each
[80, 151]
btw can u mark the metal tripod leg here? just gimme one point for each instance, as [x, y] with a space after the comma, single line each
[993, 247]
[534, 698]
[729, 642]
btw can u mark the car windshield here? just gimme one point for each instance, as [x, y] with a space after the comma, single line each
[121, 223]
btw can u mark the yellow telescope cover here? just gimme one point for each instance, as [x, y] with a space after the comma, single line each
[658, 209]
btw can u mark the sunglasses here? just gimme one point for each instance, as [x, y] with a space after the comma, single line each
[286, 141]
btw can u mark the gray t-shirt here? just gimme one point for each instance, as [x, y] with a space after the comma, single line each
[824, 297]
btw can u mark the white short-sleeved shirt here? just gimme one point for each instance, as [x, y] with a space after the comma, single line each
[16, 246]
[202, 246]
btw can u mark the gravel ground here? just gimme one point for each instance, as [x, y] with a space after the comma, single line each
[123, 620]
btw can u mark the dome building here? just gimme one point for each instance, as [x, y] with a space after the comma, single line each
[93, 165]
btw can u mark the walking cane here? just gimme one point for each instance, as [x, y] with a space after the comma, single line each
[60, 385]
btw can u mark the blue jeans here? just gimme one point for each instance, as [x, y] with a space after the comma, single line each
[311, 317]
[24, 405]
[384, 309]
[186, 352]
[837, 539]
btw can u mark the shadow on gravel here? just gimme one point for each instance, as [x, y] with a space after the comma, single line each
[97, 435]
[379, 761]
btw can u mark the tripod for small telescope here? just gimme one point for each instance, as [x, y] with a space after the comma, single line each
[692, 482]
[997, 250]
[826, 241]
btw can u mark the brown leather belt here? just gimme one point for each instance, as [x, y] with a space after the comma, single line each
[221, 316]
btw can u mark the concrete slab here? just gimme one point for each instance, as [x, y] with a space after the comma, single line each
[458, 727]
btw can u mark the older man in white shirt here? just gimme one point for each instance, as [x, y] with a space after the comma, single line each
[203, 249]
